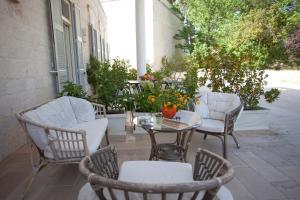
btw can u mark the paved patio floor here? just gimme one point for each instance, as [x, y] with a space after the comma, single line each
[266, 167]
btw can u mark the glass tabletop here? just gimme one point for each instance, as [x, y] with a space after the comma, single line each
[184, 120]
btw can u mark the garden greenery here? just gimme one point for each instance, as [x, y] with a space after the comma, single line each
[72, 89]
[235, 40]
[109, 82]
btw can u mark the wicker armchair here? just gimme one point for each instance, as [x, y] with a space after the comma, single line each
[219, 111]
[54, 144]
[101, 170]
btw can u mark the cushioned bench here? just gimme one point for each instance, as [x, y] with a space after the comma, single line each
[63, 131]
[66, 127]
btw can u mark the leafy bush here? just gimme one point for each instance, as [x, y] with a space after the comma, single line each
[149, 99]
[72, 89]
[108, 80]
[132, 74]
[272, 95]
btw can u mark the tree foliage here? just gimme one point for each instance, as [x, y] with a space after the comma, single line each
[238, 39]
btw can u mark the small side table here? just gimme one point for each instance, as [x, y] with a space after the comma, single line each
[173, 151]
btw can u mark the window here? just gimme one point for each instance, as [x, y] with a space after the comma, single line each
[93, 41]
[67, 42]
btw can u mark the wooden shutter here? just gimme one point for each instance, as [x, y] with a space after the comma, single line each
[100, 39]
[103, 48]
[91, 40]
[80, 72]
[95, 43]
[60, 61]
[107, 51]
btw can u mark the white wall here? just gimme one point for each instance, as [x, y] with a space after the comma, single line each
[160, 27]
[121, 29]
[165, 26]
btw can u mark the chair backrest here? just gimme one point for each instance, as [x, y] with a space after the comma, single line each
[215, 105]
[101, 170]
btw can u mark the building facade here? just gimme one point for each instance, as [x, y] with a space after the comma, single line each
[44, 43]
[141, 31]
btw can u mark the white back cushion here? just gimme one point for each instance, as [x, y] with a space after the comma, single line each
[202, 108]
[220, 103]
[83, 109]
[57, 113]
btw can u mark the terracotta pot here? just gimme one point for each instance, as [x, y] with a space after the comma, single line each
[168, 112]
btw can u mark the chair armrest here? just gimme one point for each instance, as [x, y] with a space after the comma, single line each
[99, 110]
[104, 162]
[207, 165]
[67, 144]
[230, 118]
[210, 166]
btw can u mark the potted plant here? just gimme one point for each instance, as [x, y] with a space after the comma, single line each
[155, 98]
[108, 80]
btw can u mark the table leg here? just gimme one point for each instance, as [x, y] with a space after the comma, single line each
[153, 152]
[188, 144]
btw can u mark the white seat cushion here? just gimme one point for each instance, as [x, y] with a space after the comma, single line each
[87, 193]
[95, 131]
[156, 172]
[212, 125]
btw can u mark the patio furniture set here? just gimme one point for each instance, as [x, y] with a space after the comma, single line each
[70, 130]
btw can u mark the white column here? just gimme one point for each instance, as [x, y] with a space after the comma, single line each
[140, 37]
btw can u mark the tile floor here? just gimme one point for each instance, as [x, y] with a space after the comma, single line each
[267, 167]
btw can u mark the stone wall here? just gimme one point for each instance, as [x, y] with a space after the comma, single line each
[25, 62]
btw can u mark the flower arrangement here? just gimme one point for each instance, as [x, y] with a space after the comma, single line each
[155, 98]
[173, 97]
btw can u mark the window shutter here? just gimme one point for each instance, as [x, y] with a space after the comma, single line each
[100, 39]
[81, 71]
[107, 51]
[91, 40]
[95, 43]
[60, 62]
[103, 48]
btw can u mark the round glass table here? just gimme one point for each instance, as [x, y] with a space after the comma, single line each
[183, 125]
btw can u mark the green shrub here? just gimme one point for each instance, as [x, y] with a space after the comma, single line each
[272, 95]
[108, 80]
[72, 89]
[132, 74]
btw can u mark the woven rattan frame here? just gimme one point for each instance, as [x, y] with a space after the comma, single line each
[65, 146]
[210, 173]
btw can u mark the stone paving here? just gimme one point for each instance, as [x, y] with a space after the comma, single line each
[267, 166]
